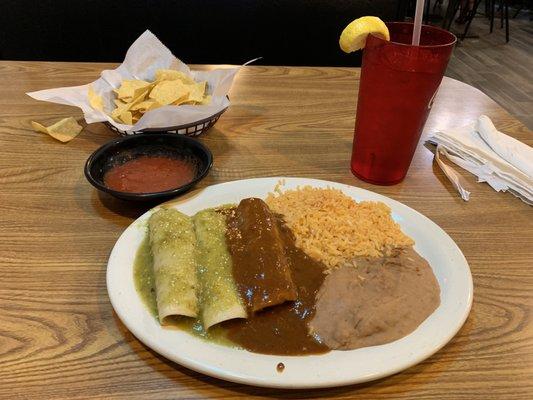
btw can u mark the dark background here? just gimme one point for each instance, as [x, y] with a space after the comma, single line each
[283, 32]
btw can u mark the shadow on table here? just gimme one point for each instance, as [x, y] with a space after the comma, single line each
[249, 391]
[408, 377]
[128, 209]
[97, 133]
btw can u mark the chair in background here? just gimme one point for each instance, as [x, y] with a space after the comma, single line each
[504, 13]
[523, 5]
[490, 5]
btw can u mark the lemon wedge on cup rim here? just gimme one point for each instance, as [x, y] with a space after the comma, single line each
[353, 37]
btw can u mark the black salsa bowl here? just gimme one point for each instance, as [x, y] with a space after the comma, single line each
[124, 149]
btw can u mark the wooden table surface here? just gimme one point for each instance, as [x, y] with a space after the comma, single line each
[59, 336]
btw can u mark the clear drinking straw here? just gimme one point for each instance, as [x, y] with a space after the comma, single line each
[417, 28]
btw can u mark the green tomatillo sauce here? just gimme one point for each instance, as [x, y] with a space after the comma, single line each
[143, 276]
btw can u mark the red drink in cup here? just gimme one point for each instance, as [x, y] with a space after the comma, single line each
[398, 85]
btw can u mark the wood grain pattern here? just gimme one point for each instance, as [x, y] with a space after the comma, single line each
[59, 337]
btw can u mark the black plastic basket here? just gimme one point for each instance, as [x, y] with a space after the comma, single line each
[192, 129]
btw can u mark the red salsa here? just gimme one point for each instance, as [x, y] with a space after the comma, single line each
[147, 174]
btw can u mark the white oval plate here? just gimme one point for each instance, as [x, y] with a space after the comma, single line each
[332, 369]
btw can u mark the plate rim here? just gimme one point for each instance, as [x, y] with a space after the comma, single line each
[227, 375]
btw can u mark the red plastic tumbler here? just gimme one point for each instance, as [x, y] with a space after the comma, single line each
[397, 88]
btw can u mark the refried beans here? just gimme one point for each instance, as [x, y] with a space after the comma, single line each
[377, 301]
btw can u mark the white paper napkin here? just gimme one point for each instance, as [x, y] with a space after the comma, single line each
[146, 55]
[505, 163]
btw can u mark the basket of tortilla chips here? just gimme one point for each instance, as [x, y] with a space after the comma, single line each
[134, 98]
[151, 90]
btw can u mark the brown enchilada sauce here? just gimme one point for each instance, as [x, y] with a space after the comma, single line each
[260, 266]
[279, 329]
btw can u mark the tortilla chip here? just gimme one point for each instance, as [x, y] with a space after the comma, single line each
[145, 105]
[115, 114]
[197, 91]
[122, 108]
[206, 100]
[38, 127]
[140, 96]
[119, 103]
[168, 92]
[127, 90]
[96, 101]
[172, 75]
[64, 130]
[126, 117]
[183, 100]
[140, 93]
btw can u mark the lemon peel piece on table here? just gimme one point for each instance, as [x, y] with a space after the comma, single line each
[353, 37]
